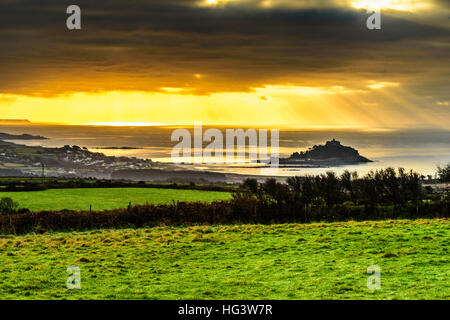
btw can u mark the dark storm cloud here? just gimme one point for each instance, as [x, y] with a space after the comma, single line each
[145, 45]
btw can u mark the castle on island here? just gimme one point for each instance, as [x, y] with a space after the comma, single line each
[332, 150]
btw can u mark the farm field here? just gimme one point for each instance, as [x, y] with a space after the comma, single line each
[106, 198]
[289, 261]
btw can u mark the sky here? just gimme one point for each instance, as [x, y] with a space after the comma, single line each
[283, 63]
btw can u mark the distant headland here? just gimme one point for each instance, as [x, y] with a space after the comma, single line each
[332, 153]
[14, 121]
[7, 136]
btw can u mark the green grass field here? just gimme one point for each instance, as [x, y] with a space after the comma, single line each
[106, 198]
[291, 261]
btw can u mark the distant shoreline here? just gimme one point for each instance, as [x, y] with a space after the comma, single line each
[117, 148]
[7, 136]
[14, 121]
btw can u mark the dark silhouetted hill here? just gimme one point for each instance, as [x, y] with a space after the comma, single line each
[332, 151]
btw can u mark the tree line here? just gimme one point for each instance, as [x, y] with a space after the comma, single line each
[381, 187]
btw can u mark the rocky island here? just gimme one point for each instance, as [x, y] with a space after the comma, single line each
[332, 153]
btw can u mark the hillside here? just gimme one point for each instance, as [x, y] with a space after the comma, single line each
[65, 161]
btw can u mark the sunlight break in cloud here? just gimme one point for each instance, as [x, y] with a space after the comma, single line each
[398, 5]
[379, 85]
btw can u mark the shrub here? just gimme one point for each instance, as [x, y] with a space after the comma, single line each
[444, 173]
[8, 206]
[251, 185]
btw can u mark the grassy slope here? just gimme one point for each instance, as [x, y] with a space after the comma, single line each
[292, 261]
[106, 198]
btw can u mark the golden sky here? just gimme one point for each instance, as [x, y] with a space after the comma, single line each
[281, 63]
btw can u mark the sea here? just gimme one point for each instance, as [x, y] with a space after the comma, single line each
[421, 150]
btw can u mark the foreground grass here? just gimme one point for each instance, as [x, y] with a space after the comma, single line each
[106, 198]
[291, 261]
